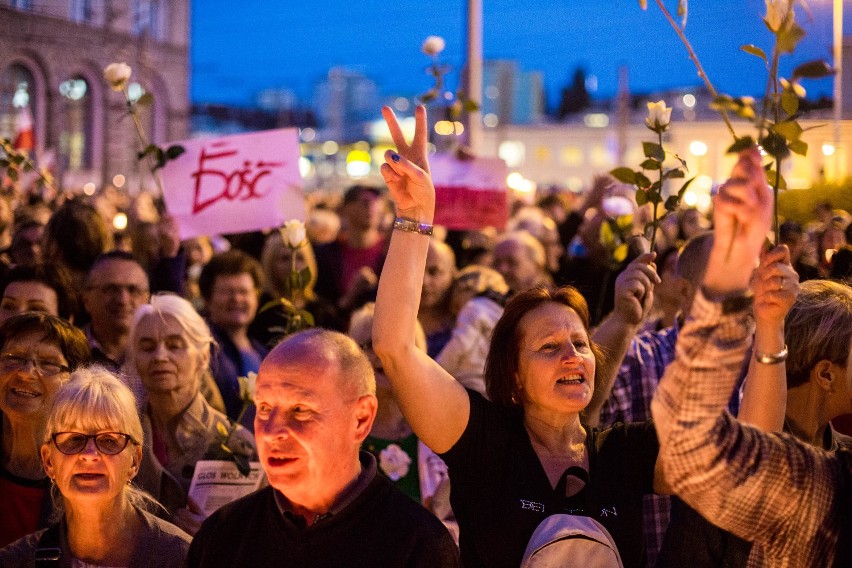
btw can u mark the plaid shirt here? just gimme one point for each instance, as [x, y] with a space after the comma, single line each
[646, 360]
[767, 488]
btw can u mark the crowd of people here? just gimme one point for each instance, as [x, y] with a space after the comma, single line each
[464, 398]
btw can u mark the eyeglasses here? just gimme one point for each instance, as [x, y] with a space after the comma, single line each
[108, 443]
[11, 362]
[116, 289]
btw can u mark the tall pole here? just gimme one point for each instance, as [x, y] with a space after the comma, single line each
[838, 85]
[473, 75]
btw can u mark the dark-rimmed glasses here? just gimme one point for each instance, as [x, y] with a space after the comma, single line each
[12, 362]
[107, 443]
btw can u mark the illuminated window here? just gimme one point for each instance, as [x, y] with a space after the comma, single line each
[148, 18]
[75, 140]
[16, 92]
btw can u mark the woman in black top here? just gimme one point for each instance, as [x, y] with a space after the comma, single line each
[525, 455]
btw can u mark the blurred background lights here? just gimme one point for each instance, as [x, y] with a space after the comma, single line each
[443, 127]
[689, 100]
[512, 152]
[134, 91]
[119, 222]
[490, 120]
[74, 89]
[89, 188]
[704, 183]
[308, 134]
[330, 147]
[596, 120]
[828, 149]
[306, 167]
[492, 92]
[697, 148]
[358, 163]
[704, 201]
[690, 198]
[401, 104]
[118, 180]
[519, 183]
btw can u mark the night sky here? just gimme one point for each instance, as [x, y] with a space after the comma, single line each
[292, 43]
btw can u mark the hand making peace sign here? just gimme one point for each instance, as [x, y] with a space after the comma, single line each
[406, 171]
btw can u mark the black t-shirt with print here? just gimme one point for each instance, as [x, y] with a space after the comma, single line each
[500, 491]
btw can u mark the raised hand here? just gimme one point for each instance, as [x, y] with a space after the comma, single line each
[406, 171]
[742, 217]
[634, 289]
[775, 285]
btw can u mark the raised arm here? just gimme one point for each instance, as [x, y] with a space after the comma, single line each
[634, 296]
[775, 285]
[435, 404]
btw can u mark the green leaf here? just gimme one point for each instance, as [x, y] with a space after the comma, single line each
[12, 173]
[624, 175]
[790, 38]
[641, 197]
[307, 317]
[16, 159]
[470, 105]
[651, 164]
[816, 69]
[674, 173]
[775, 145]
[789, 130]
[770, 177]
[242, 463]
[653, 150]
[790, 101]
[147, 99]
[672, 203]
[174, 151]
[741, 144]
[223, 431]
[28, 166]
[4, 163]
[754, 50]
[159, 158]
[683, 187]
[642, 180]
[799, 147]
[304, 277]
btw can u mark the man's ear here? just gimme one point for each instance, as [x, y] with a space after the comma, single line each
[824, 374]
[46, 462]
[365, 413]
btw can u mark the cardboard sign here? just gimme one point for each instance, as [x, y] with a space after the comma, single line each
[235, 184]
[470, 194]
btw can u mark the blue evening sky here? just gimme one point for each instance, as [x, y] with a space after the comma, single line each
[240, 48]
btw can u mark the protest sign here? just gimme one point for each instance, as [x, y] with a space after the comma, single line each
[235, 184]
[218, 482]
[470, 194]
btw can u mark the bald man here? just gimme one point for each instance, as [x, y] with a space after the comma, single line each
[326, 504]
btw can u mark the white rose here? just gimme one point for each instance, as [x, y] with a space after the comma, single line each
[394, 462]
[293, 233]
[777, 12]
[658, 115]
[794, 86]
[117, 75]
[617, 206]
[248, 386]
[433, 45]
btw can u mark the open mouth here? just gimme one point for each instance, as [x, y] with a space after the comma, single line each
[26, 393]
[280, 462]
[575, 379]
[88, 476]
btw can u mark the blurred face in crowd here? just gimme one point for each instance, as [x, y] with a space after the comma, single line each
[31, 371]
[514, 261]
[167, 360]
[115, 288]
[309, 426]
[198, 250]
[28, 296]
[26, 245]
[283, 262]
[233, 301]
[365, 211]
[438, 277]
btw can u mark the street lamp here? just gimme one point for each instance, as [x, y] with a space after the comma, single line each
[838, 81]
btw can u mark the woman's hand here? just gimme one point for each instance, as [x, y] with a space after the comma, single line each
[742, 217]
[775, 285]
[406, 171]
[189, 518]
[634, 289]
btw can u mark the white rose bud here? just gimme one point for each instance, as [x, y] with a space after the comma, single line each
[117, 75]
[658, 115]
[776, 15]
[794, 86]
[433, 45]
[293, 233]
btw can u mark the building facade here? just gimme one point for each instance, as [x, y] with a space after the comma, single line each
[54, 53]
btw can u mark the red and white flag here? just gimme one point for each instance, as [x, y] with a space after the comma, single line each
[24, 134]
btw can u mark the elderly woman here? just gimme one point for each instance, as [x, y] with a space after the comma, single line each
[37, 352]
[91, 452]
[524, 455]
[170, 351]
[277, 261]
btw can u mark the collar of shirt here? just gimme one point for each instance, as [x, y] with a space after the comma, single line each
[193, 425]
[349, 494]
[96, 346]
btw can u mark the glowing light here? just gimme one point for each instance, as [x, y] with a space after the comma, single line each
[574, 183]
[89, 188]
[118, 180]
[330, 147]
[458, 127]
[596, 120]
[357, 169]
[512, 152]
[519, 183]
[571, 156]
[704, 182]
[119, 221]
[828, 149]
[492, 92]
[358, 156]
[490, 120]
[690, 198]
[704, 201]
[689, 100]
[401, 104]
[308, 134]
[134, 91]
[306, 167]
[74, 89]
[591, 83]
[443, 127]
[697, 148]
[362, 145]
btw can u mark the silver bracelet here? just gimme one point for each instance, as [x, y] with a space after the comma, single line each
[412, 226]
[771, 358]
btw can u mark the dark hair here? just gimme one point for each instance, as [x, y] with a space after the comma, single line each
[70, 340]
[75, 236]
[354, 192]
[502, 363]
[51, 275]
[228, 264]
[116, 254]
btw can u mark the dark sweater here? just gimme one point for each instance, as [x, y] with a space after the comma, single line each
[380, 527]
